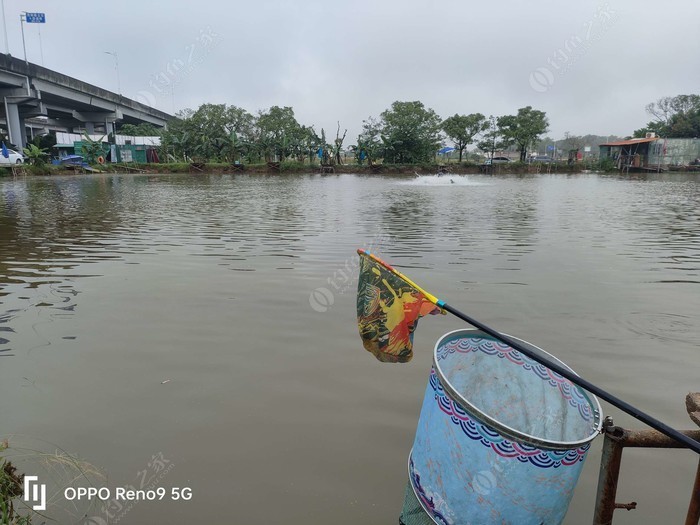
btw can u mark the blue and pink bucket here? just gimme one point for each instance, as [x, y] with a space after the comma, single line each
[501, 438]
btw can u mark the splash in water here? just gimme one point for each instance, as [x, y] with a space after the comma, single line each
[442, 180]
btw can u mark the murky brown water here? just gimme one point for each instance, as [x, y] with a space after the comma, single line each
[180, 328]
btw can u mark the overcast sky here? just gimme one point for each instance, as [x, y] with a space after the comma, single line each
[591, 66]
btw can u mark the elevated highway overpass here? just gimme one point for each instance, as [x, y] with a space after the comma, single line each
[33, 92]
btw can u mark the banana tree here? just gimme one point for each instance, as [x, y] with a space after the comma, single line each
[92, 149]
[35, 154]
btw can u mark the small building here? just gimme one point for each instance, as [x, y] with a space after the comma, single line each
[628, 154]
[674, 153]
[652, 153]
[125, 149]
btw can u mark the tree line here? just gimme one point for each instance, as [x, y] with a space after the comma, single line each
[405, 133]
[673, 117]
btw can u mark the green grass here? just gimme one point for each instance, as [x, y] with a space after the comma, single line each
[61, 467]
[10, 490]
[607, 164]
[295, 166]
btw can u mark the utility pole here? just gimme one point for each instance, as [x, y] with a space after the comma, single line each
[4, 26]
[32, 18]
[41, 47]
[24, 44]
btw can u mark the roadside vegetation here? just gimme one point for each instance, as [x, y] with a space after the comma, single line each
[405, 137]
[405, 133]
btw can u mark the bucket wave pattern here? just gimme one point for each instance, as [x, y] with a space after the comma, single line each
[501, 446]
[503, 351]
[500, 438]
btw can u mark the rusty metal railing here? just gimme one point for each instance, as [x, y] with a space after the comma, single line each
[616, 439]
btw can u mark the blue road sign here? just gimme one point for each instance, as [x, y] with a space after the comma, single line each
[550, 148]
[35, 18]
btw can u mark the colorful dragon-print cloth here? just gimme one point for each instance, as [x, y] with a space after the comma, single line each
[388, 309]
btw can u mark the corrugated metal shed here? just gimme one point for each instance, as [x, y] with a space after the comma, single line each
[630, 142]
[67, 139]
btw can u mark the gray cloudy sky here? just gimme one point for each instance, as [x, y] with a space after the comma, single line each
[591, 66]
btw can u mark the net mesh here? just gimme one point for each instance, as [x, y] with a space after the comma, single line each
[412, 512]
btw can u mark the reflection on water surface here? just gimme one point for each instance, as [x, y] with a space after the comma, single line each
[171, 314]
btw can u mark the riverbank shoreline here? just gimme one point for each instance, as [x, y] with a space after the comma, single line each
[303, 168]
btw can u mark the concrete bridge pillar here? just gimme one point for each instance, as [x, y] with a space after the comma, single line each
[15, 125]
[97, 119]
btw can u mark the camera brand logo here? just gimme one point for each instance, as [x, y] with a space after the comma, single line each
[38, 492]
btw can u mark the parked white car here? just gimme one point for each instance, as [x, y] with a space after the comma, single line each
[496, 160]
[13, 158]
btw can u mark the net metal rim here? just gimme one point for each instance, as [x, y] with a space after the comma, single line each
[502, 428]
